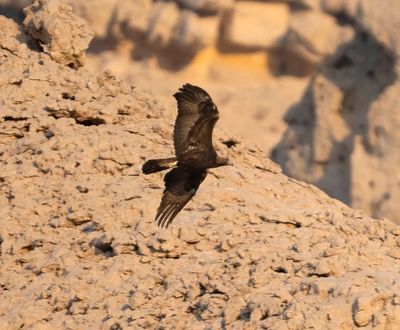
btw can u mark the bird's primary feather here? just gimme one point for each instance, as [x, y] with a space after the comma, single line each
[180, 186]
[156, 165]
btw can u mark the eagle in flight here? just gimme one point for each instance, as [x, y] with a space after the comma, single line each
[197, 115]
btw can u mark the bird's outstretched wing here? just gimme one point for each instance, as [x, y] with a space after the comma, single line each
[180, 186]
[197, 115]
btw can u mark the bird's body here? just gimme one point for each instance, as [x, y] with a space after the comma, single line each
[197, 115]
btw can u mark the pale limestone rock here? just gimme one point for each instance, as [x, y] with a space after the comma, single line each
[164, 19]
[343, 134]
[382, 20]
[99, 14]
[13, 39]
[132, 19]
[349, 7]
[63, 35]
[374, 190]
[314, 35]
[272, 252]
[206, 7]
[368, 306]
[116, 19]
[329, 125]
[194, 33]
[233, 309]
[255, 25]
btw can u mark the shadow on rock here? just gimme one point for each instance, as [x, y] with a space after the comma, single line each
[319, 143]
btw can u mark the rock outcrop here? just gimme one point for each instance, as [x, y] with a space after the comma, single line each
[61, 34]
[257, 57]
[314, 35]
[79, 247]
[343, 134]
[298, 27]
[255, 25]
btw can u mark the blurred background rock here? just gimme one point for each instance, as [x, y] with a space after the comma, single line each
[313, 82]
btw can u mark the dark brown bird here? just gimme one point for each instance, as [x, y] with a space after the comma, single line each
[197, 115]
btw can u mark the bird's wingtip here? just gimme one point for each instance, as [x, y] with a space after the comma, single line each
[191, 91]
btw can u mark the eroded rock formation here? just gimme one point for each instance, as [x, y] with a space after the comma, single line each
[61, 34]
[343, 134]
[79, 247]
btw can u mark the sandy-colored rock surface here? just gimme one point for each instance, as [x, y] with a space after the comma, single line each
[61, 34]
[314, 35]
[343, 134]
[383, 24]
[79, 248]
[255, 25]
[206, 7]
[100, 13]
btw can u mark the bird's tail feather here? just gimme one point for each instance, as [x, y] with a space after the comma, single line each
[156, 165]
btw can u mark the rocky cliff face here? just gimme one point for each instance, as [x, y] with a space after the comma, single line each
[175, 32]
[254, 56]
[343, 134]
[79, 247]
[342, 131]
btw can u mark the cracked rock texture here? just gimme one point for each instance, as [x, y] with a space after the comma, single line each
[61, 34]
[79, 248]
